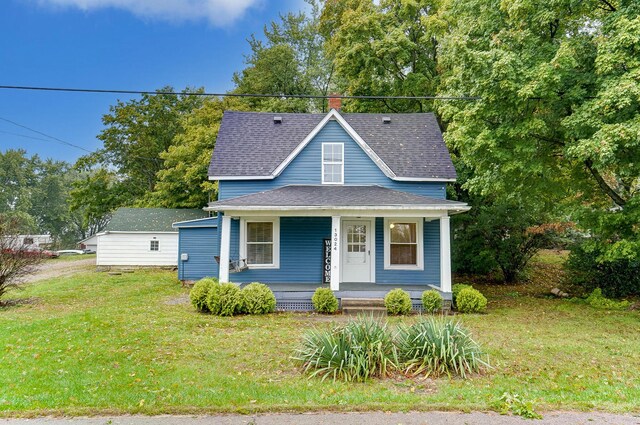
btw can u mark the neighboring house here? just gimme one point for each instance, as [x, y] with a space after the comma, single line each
[89, 244]
[35, 242]
[354, 202]
[142, 237]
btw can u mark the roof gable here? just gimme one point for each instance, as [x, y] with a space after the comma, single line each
[150, 219]
[251, 145]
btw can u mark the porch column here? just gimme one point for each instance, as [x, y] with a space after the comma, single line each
[445, 254]
[335, 253]
[225, 246]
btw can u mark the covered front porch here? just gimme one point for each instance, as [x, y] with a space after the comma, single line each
[360, 242]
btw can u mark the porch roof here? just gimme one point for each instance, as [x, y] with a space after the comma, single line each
[334, 196]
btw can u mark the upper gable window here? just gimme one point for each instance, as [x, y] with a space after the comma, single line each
[333, 163]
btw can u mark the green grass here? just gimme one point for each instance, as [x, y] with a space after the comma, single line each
[96, 343]
[71, 258]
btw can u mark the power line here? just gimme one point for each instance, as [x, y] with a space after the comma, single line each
[24, 135]
[286, 96]
[46, 135]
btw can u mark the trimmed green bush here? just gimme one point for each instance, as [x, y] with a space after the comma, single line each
[455, 290]
[224, 299]
[199, 293]
[438, 346]
[597, 300]
[470, 300]
[397, 302]
[357, 351]
[431, 301]
[324, 301]
[257, 298]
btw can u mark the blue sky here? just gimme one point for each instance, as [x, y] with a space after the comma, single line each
[113, 44]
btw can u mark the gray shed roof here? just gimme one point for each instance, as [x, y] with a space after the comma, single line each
[251, 144]
[150, 219]
[334, 196]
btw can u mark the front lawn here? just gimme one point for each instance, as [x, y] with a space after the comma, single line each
[95, 343]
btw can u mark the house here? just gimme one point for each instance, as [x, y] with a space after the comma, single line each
[89, 244]
[354, 202]
[142, 237]
[34, 242]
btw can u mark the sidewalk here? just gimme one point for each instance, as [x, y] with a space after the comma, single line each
[372, 418]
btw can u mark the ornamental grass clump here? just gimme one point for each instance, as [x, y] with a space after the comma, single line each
[431, 301]
[324, 301]
[397, 302]
[471, 300]
[224, 299]
[438, 346]
[257, 298]
[199, 293]
[355, 352]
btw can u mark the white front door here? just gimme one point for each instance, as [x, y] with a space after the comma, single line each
[356, 251]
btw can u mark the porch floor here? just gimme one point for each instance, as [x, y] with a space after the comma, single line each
[297, 296]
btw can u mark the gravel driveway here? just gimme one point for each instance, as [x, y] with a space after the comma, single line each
[57, 268]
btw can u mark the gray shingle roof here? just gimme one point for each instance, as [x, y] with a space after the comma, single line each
[150, 219]
[251, 144]
[334, 196]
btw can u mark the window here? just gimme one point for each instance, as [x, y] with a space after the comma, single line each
[27, 241]
[333, 163]
[403, 244]
[260, 243]
[154, 245]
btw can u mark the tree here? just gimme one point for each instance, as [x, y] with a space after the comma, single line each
[384, 49]
[16, 261]
[183, 182]
[292, 60]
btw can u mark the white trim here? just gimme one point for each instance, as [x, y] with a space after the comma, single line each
[323, 163]
[106, 232]
[371, 237]
[441, 207]
[445, 255]
[276, 240]
[435, 214]
[336, 242]
[269, 177]
[225, 247]
[176, 225]
[419, 243]
[423, 179]
[400, 179]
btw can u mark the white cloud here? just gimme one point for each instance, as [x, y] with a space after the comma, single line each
[217, 12]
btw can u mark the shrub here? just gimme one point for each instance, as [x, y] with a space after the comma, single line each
[431, 301]
[361, 349]
[257, 298]
[397, 302]
[199, 293]
[224, 299]
[437, 346]
[455, 290]
[589, 269]
[597, 300]
[324, 301]
[470, 300]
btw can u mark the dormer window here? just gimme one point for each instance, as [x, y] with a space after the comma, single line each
[333, 163]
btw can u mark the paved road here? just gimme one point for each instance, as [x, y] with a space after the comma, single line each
[57, 268]
[373, 418]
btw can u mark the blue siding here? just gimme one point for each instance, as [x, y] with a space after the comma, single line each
[431, 272]
[300, 252]
[202, 244]
[306, 169]
[200, 222]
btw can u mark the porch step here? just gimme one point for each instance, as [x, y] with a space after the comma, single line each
[361, 302]
[355, 306]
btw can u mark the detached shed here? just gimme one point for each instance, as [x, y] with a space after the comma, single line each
[198, 244]
[142, 237]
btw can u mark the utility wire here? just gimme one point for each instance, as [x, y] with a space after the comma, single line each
[64, 142]
[286, 96]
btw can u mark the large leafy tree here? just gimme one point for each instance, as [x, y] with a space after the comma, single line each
[557, 123]
[291, 60]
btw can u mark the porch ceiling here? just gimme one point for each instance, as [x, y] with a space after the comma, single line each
[309, 197]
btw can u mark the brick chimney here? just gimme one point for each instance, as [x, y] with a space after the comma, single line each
[335, 102]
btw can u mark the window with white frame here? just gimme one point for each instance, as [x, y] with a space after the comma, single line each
[333, 163]
[154, 245]
[260, 242]
[403, 243]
